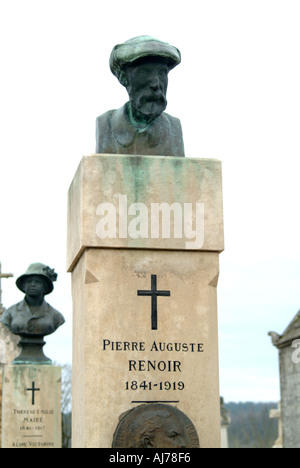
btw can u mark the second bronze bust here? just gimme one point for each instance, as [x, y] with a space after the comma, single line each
[33, 318]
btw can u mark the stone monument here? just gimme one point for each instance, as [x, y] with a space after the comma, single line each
[289, 367]
[225, 423]
[145, 230]
[276, 414]
[31, 416]
[8, 344]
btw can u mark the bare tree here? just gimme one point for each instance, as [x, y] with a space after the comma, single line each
[66, 404]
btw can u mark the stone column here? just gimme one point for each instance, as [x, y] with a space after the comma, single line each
[8, 351]
[144, 237]
[276, 414]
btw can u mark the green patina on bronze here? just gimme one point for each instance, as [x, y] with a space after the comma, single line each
[141, 126]
[33, 318]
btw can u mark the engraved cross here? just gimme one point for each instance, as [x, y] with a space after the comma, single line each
[33, 389]
[154, 293]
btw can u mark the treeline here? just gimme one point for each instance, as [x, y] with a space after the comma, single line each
[251, 426]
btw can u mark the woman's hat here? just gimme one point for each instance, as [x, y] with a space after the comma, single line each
[42, 270]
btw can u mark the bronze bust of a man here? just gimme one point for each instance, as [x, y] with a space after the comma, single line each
[141, 126]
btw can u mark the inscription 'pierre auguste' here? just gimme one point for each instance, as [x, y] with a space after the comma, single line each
[109, 345]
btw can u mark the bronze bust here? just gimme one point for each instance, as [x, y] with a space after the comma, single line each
[155, 425]
[141, 126]
[33, 318]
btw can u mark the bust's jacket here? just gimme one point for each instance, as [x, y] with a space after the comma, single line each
[116, 135]
[20, 319]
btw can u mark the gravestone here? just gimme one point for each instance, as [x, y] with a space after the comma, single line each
[276, 414]
[31, 409]
[144, 238]
[225, 423]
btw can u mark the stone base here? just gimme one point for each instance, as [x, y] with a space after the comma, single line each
[8, 351]
[120, 361]
[31, 406]
[144, 238]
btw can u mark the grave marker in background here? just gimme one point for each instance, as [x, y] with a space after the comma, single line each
[31, 406]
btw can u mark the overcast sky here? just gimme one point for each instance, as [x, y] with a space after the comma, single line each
[237, 94]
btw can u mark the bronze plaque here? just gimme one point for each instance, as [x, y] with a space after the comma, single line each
[155, 425]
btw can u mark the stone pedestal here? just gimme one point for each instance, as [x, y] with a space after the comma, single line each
[144, 237]
[31, 407]
[8, 351]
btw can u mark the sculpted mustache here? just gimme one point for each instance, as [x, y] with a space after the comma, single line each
[153, 98]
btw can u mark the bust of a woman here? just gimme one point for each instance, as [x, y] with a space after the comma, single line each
[33, 318]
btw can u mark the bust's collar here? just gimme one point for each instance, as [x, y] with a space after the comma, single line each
[125, 133]
[24, 305]
[140, 127]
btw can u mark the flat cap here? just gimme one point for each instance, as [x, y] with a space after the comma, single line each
[139, 47]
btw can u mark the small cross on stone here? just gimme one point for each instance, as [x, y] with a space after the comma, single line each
[154, 293]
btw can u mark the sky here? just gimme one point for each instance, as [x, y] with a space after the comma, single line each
[237, 95]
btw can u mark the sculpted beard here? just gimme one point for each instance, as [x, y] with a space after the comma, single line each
[149, 104]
